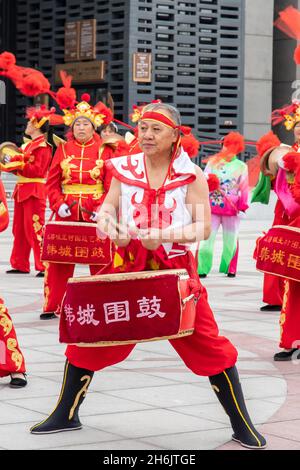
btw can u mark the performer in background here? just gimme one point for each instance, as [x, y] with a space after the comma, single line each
[30, 193]
[273, 286]
[76, 185]
[169, 186]
[283, 163]
[226, 201]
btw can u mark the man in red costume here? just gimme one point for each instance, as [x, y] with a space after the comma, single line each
[76, 185]
[162, 173]
[30, 192]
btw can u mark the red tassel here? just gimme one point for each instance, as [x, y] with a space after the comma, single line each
[278, 115]
[297, 55]
[7, 60]
[190, 145]
[107, 112]
[234, 143]
[266, 142]
[289, 22]
[213, 182]
[86, 97]
[292, 162]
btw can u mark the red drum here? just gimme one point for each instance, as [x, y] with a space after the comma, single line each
[114, 309]
[278, 252]
[75, 243]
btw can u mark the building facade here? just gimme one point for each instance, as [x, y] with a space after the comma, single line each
[196, 48]
[219, 61]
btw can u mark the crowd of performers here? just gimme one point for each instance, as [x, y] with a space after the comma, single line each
[103, 178]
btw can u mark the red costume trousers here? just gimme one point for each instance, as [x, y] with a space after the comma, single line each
[11, 358]
[273, 289]
[205, 352]
[29, 219]
[55, 283]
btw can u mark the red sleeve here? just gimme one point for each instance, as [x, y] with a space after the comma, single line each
[4, 214]
[38, 167]
[54, 187]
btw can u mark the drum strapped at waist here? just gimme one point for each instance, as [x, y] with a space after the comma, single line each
[126, 308]
[23, 179]
[83, 188]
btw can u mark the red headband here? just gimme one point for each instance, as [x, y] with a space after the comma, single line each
[160, 117]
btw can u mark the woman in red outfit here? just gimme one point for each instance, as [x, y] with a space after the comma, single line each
[161, 174]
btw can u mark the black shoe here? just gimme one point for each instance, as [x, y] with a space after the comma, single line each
[229, 392]
[287, 355]
[202, 276]
[231, 275]
[47, 316]
[16, 271]
[17, 382]
[65, 415]
[271, 308]
[40, 274]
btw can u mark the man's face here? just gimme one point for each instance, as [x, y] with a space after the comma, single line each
[83, 130]
[297, 132]
[155, 138]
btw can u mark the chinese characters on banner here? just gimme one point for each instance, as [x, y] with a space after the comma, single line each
[114, 312]
[121, 310]
[76, 244]
[279, 253]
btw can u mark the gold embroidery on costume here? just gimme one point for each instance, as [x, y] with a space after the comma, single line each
[16, 356]
[82, 392]
[5, 321]
[67, 167]
[46, 287]
[37, 227]
[118, 261]
[284, 304]
[154, 265]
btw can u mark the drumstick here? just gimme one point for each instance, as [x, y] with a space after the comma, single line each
[72, 205]
[86, 211]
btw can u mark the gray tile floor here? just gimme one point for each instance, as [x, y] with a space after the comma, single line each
[151, 401]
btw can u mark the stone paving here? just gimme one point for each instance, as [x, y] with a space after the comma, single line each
[151, 401]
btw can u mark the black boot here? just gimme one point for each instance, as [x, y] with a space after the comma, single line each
[229, 392]
[65, 415]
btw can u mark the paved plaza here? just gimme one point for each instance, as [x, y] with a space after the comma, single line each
[151, 401]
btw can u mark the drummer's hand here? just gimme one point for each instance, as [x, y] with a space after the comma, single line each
[6, 159]
[94, 217]
[150, 239]
[64, 211]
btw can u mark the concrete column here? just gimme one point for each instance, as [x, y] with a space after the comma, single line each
[258, 67]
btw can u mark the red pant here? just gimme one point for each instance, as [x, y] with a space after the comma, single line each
[204, 352]
[273, 289]
[55, 283]
[290, 318]
[29, 219]
[11, 358]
